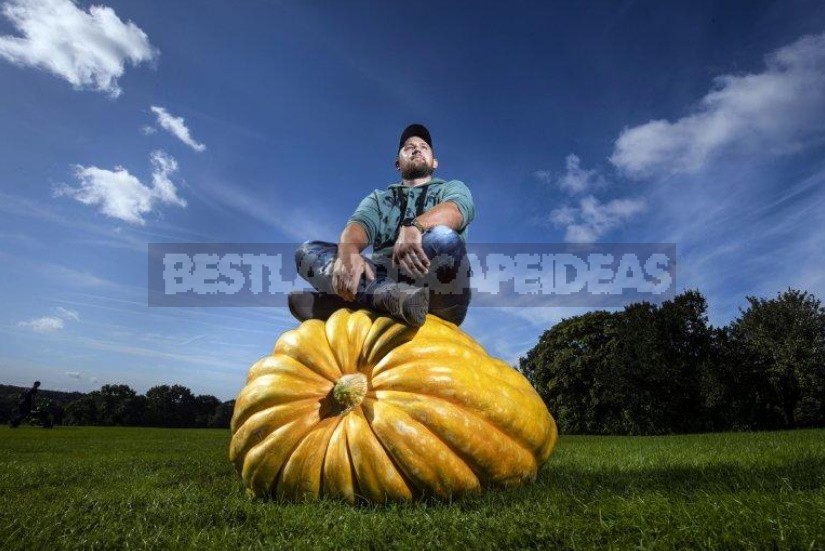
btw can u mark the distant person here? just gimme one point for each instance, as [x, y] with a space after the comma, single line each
[24, 405]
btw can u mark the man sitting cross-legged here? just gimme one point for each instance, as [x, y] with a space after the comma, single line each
[417, 229]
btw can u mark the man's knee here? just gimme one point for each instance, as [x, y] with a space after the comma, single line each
[309, 252]
[443, 240]
[300, 252]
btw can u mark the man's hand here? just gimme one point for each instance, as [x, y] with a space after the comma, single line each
[408, 253]
[347, 271]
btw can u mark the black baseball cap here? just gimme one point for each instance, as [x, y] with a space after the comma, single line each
[418, 130]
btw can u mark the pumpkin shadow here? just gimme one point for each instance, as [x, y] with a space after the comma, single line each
[563, 482]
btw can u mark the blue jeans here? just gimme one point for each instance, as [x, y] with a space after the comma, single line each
[448, 277]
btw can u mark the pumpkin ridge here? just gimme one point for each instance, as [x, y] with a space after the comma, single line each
[374, 448]
[238, 436]
[246, 405]
[480, 357]
[416, 491]
[523, 385]
[279, 478]
[356, 489]
[292, 367]
[321, 480]
[378, 327]
[341, 326]
[391, 338]
[402, 380]
[442, 329]
[375, 395]
[312, 379]
[359, 326]
[422, 487]
[489, 425]
[287, 457]
[323, 385]
[381, 367]
[302, 345]
[252, 477]
[334, 464]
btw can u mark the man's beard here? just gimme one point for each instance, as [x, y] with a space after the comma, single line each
[413, 171]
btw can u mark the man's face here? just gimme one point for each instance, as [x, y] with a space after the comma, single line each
[415, 159]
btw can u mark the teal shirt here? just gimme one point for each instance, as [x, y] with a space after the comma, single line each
[380, 213]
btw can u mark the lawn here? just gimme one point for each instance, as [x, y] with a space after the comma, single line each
[107, 488]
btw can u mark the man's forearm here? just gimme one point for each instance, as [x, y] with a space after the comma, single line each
[353, 239]
[444, 214]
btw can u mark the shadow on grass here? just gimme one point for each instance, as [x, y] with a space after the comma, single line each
[801, 474]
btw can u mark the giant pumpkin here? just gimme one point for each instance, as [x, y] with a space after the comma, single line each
[364, 407]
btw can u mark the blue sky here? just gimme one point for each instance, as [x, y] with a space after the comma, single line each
[697, 123]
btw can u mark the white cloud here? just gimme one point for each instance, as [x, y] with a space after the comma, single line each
[773, 112]
[46, 324]
[90, 49]
[578, 180]
[162, 187]
[563, 216]
[544, 175]
[67, 314]
[93, 379]
[73, 374]
[50, 324]
[121, 195]
[575, 180]
[176, 127]
[592, 218]
[148, 130]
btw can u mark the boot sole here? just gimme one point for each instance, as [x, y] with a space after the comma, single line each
[414, 307]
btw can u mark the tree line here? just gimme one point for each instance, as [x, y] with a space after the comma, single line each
[119, 405]
[648, 369]
[663, 369]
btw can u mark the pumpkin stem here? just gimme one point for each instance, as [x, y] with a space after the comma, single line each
[350, 390]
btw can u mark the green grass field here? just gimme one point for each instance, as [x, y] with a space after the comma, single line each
[107, 488]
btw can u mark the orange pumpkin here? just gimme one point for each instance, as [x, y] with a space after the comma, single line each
[363, 406]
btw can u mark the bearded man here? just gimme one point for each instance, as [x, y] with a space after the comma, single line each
[417, 229]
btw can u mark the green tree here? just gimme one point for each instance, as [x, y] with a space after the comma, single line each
[170, 406]
[718, 390]
[687, 366]
[570, 368]
[205, 406]
[8, 407]
[82, 411]
[779, 346]
[119, 405]
[639, 371]
[222, 416]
